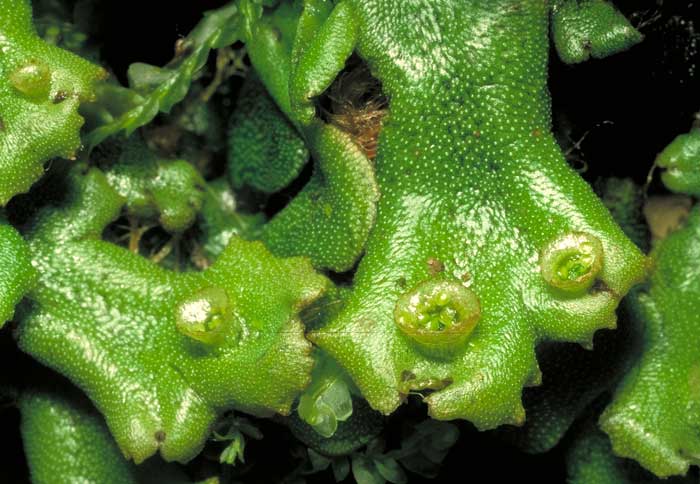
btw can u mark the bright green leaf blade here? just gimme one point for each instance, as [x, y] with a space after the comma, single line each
[64, 437]
[325, 39]
[269, 45]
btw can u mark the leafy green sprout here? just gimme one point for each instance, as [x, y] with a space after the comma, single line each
[234, 429]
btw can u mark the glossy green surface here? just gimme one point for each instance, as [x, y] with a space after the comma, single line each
[106, 318]
[474, 244]
[209, 317]
[327, 401]
[574, 377]
[351, 434]
[66, 441]
[655, 412]
[652, 360]
[470, 176]
[41, 87]
[65, 438]
[17, 276]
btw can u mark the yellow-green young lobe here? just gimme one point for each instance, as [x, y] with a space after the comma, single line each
[582, 29]
[351, 434]
[41, 87]
[327, 401]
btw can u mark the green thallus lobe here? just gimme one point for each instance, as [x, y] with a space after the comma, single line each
[572, 262]
[159, 391]
[437, 315]
[41, 87]
[470, 175]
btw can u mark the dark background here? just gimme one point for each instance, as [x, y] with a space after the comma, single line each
[631, 105]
